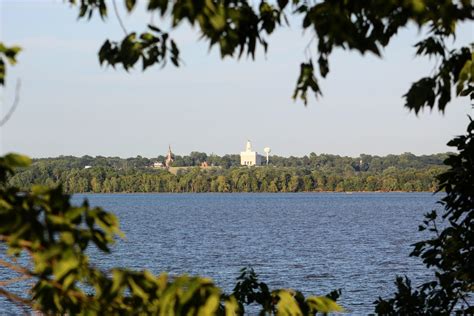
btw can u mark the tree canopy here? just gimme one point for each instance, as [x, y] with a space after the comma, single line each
[450, 252]
[237, 28]
[311, 173]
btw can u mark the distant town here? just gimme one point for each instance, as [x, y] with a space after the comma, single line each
[248, 157]
[248, 171]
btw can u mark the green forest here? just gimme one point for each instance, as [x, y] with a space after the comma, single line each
[311, 173]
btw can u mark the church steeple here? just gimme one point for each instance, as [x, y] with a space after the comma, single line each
[169, 157]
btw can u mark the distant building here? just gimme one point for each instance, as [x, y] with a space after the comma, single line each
[169, 158]
[249, 157]
[158, 164]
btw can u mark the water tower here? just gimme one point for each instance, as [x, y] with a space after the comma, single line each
[267, 151]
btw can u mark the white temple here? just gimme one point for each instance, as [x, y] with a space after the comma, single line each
[249, 157]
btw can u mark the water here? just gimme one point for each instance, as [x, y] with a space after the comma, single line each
[314, 242]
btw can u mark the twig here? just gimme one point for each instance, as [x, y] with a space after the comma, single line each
[15, 268]
[119, 18]
[25, 272]
[16, 299]
[453, 305]
[6, 282]
[464, 299]
[16, 101]
[436, 228]
[307, 49]
[22, 243]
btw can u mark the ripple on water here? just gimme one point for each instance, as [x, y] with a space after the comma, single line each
[312, 242]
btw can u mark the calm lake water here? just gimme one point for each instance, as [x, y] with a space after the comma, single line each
[315, 242]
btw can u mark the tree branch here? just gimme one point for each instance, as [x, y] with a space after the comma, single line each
[16, 101]
[15, 268]
[27, 273]
[21, 243]
[119, 18]
[21, 302]
[21, 278]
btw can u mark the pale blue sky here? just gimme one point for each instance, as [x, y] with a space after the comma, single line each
[72, 106]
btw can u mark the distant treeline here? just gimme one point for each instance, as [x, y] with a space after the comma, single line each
[405, 172]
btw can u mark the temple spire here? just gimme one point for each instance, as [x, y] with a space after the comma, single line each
[169, 157]
[248, 147]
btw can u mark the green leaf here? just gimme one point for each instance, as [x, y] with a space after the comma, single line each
[287, 305]
[64, 266]
[323, 304]
[154, 28]
[210, 306]
[16, 160]
[282, 3]
[130, 4]
[136, 289]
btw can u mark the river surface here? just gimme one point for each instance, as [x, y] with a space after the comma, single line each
[314, 242]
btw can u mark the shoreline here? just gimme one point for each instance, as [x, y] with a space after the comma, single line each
[300, 192]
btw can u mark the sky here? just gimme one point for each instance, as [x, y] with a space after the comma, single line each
[70, 105]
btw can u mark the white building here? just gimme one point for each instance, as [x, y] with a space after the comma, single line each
[158, 164]
[249, 157]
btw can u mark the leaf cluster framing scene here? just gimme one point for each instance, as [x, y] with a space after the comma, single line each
[46, 239]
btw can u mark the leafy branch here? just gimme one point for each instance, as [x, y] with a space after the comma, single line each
[451, 251]
[238, 27]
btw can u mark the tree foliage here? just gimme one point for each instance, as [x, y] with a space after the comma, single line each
[237, 28]
[7, 55]
[451, 250]
[404, 172]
